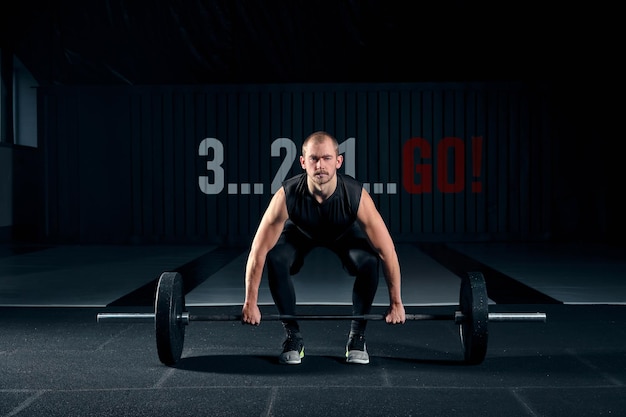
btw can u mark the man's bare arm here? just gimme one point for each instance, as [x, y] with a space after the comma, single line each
[376, 230]
[266, 236]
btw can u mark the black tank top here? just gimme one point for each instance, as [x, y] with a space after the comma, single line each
[326, 221]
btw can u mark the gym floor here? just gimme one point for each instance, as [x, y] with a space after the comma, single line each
[56, 360]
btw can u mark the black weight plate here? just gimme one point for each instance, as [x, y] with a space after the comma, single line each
[474, 305]
[168, 308]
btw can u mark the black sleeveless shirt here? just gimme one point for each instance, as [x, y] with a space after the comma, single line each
[327, 221]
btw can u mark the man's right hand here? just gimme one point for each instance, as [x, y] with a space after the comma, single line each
[250, 314]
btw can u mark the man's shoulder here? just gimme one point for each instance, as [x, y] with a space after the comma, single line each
[294, 181]
[351, 188]
[349, 180]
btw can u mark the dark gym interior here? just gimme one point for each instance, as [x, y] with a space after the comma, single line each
[144, 137]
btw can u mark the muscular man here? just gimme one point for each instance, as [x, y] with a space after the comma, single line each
[322, 207]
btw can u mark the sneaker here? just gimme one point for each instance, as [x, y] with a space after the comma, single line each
[293, 350]
[356, 352]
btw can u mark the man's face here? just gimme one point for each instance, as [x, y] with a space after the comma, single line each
[321, 161]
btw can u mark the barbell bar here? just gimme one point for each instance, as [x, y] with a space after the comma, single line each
[170, 317]
[187, 317]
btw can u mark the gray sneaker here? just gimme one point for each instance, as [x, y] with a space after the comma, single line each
[356, 351]
[293, 350]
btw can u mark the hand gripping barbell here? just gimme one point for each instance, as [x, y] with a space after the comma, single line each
[170, 317]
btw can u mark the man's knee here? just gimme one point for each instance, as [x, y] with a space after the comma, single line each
[283, 258]
[363, 262]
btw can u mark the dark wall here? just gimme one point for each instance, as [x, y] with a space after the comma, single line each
[28, 194]
[443, 161]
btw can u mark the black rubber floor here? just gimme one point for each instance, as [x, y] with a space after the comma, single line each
[61, 362]
[57, 360]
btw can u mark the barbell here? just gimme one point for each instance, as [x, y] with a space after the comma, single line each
[170, 317]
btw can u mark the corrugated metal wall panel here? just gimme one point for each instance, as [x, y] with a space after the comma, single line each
[442, 161]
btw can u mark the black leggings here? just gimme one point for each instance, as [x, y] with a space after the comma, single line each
[356, 255]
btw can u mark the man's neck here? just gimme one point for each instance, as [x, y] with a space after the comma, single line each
[321, 192]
